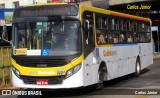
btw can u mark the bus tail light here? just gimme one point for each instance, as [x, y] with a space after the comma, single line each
[73, 70]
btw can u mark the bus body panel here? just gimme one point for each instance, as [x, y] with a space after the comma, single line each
[91, 66]
[124, 60]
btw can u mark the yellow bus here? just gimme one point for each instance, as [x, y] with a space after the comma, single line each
[68, 45]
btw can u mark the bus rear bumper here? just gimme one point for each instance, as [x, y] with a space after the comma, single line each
[73, 81]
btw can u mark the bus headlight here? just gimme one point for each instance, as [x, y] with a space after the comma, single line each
[16, 72]
[73, 70]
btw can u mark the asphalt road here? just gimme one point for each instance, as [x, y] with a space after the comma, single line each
[145, 86]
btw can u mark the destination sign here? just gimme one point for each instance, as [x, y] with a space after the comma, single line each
[42, 11]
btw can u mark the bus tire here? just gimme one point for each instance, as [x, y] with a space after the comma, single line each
[137, 69]
[101, 77]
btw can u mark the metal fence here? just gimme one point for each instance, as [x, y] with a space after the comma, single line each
[5, 66]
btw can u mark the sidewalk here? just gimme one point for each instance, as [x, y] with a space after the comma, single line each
[156, 55]
[7, 87]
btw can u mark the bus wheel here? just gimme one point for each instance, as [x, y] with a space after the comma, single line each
[138, 68]
[101, 74]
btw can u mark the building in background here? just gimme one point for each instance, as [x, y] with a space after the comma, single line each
[6, 16]
[7, 7]
[17, 3]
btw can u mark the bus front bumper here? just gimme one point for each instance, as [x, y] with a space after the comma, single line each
[73, 81]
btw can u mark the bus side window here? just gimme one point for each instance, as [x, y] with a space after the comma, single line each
[143, 27]
[128, 26]
[110, 23]
[148, 37]
[125, 25]
[138, 26]
[142, 37]
[99, 22]
[135, 26]
[131, 26]
[121, 27]
[105, 23]
[116, 25]
[148, 29]
[113, 23]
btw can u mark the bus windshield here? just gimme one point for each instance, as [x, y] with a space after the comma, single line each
[60, 38]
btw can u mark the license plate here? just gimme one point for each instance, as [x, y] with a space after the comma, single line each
[42, 82]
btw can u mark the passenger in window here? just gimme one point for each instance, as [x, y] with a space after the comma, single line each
[143, 27]
[106, 22]
[130, 39]
[100, 37]
[106, 38]
[148, 28]
[142, 38]
[110, 38]
[22, 41]
[148, 37]
[121, 38]
[137, 38]
[115, 38]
